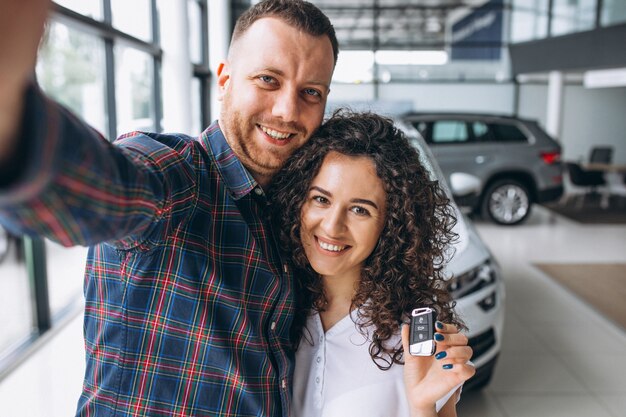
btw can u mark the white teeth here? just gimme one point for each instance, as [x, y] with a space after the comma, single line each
[275, 134]
[332, 248]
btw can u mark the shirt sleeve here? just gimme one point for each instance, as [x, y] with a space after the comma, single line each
[75, 187]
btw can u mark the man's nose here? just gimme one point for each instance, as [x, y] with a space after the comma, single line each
[286, 105]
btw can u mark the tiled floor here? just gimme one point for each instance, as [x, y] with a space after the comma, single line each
[559, 357]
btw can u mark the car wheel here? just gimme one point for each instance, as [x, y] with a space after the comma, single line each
[506, 202]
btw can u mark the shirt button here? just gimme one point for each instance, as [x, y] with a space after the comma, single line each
[258, 191]
[273, 325]
[317, 380]
[283, 383]
[319, 359]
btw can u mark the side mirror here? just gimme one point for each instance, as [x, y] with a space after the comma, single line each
[463, 184]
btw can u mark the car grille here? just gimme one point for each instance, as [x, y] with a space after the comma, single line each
[482, 342]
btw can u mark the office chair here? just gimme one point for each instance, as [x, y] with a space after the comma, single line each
[588, 180]
[601, 154]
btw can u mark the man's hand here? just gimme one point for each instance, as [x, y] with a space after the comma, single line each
[429, 378]
[21, 27]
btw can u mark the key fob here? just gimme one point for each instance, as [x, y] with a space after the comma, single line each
[422, 332]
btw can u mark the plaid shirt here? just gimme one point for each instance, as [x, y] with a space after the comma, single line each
[188, 305]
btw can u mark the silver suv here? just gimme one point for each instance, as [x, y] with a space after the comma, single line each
[496, 165]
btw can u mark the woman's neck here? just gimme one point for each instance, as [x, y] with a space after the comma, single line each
[339, 292]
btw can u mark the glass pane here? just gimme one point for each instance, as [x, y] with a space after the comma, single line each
[195, 32]
[449, 131]
[570, 16]
[529, 20]
[526, 26]
[613, 11]
[16, 320]
[507, 133]
[70, 68]
[91, 8]
[133, 17]
[481, 132]
[134, 84]
[66, 269]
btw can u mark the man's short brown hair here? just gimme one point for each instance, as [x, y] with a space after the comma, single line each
[297, 13]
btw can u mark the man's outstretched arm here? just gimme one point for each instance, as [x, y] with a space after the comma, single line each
[21, 27]
[72, 185]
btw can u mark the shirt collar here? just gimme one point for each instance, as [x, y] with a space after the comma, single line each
[235, 176]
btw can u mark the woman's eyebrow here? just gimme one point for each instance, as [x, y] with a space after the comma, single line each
[354, 200]
[363, 201]
[321, 190]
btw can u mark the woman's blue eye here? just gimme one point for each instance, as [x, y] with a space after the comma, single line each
[360, 211]
[266, 79]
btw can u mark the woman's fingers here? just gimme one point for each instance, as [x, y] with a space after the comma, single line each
[450, 338]
[459, 353]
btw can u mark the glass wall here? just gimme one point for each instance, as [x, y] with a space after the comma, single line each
[613, 12]
[71, 69]
[16, 318]
[529, 20]
[102, 60]
[570, 16]
[534, 19]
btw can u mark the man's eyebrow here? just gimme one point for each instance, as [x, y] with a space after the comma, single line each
[354, 200]
[282, 74]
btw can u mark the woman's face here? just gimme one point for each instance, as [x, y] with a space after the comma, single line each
[343, 215]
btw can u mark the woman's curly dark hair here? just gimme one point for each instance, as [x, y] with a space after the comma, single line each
[405, 269]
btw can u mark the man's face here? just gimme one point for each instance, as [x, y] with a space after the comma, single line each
[273, 91]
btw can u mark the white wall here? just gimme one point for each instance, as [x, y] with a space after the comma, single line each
[484, 98]
[591, 117]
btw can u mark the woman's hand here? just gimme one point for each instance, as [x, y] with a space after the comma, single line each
[429, 378]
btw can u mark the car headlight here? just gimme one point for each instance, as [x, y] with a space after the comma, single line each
[473, 280]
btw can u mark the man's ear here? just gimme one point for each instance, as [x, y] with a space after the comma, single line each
[223, 79]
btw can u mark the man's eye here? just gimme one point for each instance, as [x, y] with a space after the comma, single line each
[266, 79]
[312, 92]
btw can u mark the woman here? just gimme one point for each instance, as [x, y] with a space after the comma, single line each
[367, 230]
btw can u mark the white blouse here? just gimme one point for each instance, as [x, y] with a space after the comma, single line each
[336, 377]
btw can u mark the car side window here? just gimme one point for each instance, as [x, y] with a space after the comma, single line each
[507, 133]
[481, 132]
[449, 131]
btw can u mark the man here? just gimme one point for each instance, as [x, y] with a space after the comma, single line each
[188, 304]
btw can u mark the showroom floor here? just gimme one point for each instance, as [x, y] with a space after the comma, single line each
[559, 356]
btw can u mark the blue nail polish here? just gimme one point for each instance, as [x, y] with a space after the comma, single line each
[439, 325]
[439, 337]
[441, 355]
[447, 366]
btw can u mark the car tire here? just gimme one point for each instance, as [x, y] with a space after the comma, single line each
[506, 202]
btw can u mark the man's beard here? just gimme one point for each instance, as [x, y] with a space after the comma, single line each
[240, 134]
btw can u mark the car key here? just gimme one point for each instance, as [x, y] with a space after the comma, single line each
[422, 332]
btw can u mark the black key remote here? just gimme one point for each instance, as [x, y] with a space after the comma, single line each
[422, 332]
